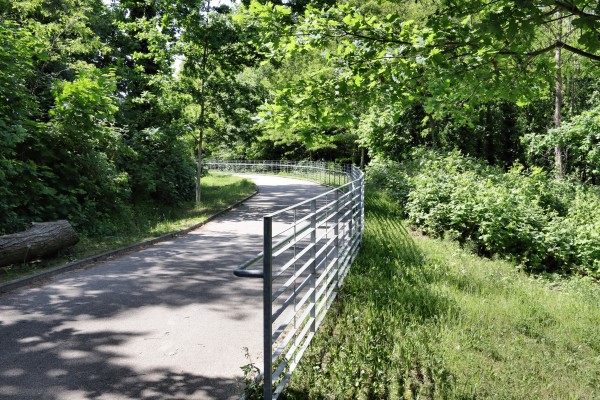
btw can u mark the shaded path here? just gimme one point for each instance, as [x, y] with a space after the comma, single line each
[167, 322]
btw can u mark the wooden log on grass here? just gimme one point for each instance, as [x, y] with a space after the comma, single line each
[40, 240]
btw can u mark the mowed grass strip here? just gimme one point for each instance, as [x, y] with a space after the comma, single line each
[421, 318]
[219, 191]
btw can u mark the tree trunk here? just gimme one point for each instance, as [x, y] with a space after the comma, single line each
[40, 240]
[558, 98]
[202, 122]
[200, 142]
[199, 169]
[362, 158]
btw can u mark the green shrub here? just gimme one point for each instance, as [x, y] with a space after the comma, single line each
[580, 137]
[161, 168]
[527, 216]
[391, 175]
[510, 220]
[574, 239]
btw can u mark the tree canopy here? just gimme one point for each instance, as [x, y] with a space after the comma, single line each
[109, 105]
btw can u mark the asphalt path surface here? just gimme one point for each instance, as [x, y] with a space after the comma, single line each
[167, 322]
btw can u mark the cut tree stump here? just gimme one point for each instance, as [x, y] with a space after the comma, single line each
[40, 240]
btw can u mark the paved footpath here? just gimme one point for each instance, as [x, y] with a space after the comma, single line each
[167, 322]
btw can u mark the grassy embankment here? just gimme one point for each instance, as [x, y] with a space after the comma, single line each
[421, 318]
[218, 193]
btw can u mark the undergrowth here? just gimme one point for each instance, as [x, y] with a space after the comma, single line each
[526, 216]
[422, 318]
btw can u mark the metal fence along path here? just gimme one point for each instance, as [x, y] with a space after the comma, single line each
[307, 251]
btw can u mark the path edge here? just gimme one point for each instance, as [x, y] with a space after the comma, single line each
[30, 279]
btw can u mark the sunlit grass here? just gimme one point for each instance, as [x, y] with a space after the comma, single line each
[218, 192]
[422, 318]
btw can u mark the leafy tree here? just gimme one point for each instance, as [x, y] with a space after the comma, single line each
[297, 6]
[214, 51]
[457, 57]
[66, 42]
[46, 43]
[81, 149]
[17, 111]
[143, 50]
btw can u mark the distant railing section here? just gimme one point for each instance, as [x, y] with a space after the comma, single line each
[307, 251]
[327, 173]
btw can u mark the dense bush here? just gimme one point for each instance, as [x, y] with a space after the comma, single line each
[528, 216]
[161, 168]
[580, 138]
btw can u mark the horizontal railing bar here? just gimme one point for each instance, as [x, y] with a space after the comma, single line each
[292, 261]
[293, 366]
[324, 249]
[325, 272]
[299, 304]
[298, 351]
[330, 217]
[347, 214]
[281, 328]
[347, 249]
[311, 214]
[249, 273]
[291, 241]
[306, 218]
[330, 300]
[291, 298]
[346, 266]
[291, 334]
[331, 203]
[299, 339]
[307, 201]
[243, 272]
[325, 291]
[303, 252]
[326, 235]
[292, 226]
[279, 369]
[287, 283]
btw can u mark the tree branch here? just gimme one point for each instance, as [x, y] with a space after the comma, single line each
[375, 39]
[576, 11]
[554, 45]
[580, 52]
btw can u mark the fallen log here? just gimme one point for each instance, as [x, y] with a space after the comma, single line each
[40, 240]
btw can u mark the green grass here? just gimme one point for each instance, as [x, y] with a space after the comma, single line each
[422, 318]
[218, 192]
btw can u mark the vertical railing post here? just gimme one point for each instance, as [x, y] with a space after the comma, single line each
[351, 203]
[313, 267]
[336, 232]
[362, 205]
[267, 306]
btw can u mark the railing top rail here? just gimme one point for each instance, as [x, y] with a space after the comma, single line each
[353, 172]
[301, 203]
[350, 171]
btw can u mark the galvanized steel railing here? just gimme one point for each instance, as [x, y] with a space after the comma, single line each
[307, 251]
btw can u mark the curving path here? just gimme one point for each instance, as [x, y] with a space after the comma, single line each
[168, 322]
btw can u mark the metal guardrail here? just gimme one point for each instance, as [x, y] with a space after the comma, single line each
[307, 251]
